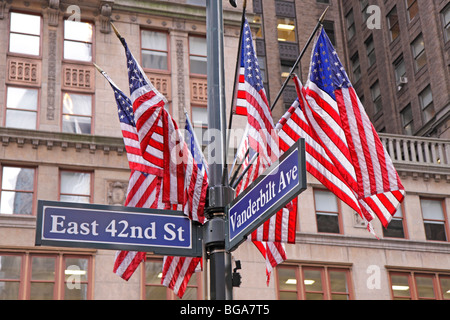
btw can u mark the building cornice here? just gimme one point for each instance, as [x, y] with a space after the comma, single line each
[50, 140]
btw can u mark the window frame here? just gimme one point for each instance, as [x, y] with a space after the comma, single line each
[79, 41]
[92, 116]
[445, 221]
[370, 51]
[38, 56]
[423, 108]
[350, 25]
[38, 104]
[168, 70]
[412, 275]
[324, 269]
[406, 124]
[418, 55]
[445, 27]
[404, 224]
[192, 74]
[91, 187]
[34, 192]
[409, 6]
[377, 101]
[201, 140]
[338, 213]
[395, 25]
[170, 295]
[26, 260]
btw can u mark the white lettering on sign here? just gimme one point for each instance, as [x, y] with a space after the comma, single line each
[84, 228]
[119, 229]
[270, 191]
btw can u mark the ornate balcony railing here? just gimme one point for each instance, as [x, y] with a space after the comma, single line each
[418, 154]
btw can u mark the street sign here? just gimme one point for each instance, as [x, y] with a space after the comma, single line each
[164, 232]
[278, 185]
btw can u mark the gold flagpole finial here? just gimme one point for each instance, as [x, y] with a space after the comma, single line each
[322, 17]
[98, 68]
[115, 30]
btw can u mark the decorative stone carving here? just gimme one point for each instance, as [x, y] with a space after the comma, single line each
[116, 192]
[199, 90]
[24, 71]
[358, 222]
[51, 82]
[53, 13]
[78, 77]
[180, 78]
[105, 16]
[162, 83]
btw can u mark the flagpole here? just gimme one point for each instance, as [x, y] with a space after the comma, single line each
[318, 25]
[235, 182]
[233, 100]
[220, 194]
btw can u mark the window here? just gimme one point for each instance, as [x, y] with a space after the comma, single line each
[446, 22]
[364, 5]
[396, 226]
[200, 124]
[78, 38]
[17, 190]
[34, 276]
[376, 97]
[418, 51]
[412, 8]
[286, 29]
[356, 67]
[394, 27]
[327, 211]
[77, 113]
[154, 290]
[370, 48]
[426, 104]
[154, 50]
[433, 213]
[75, 186]
[329, 29]
[21, 108]
[350, 21]
[10, 270]
[197, 55]
[407, 120]
[304, 282]
[25, 32]
[419, 285]
[400, 70]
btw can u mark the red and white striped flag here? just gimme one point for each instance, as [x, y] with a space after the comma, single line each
[343, 150]
[262, 140]
[145, 179]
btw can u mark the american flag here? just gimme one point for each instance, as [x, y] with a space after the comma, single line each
[262, 140]
[145, 179]
[343, 149]
[252, 101]
[182, 182]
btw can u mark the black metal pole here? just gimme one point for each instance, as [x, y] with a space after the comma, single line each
[219, 194]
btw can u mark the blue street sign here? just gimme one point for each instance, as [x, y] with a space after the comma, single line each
[163, 232]
[277, 186]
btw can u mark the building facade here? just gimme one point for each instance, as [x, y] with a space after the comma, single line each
[61, 139]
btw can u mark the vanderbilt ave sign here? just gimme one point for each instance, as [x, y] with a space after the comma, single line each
[277, 186]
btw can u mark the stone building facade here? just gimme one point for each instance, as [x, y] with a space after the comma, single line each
[61, 140]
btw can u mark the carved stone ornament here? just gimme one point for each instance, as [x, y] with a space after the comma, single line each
[116, 193]
[53, 12]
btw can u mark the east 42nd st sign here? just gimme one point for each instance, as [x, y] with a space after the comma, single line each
[79, 225]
